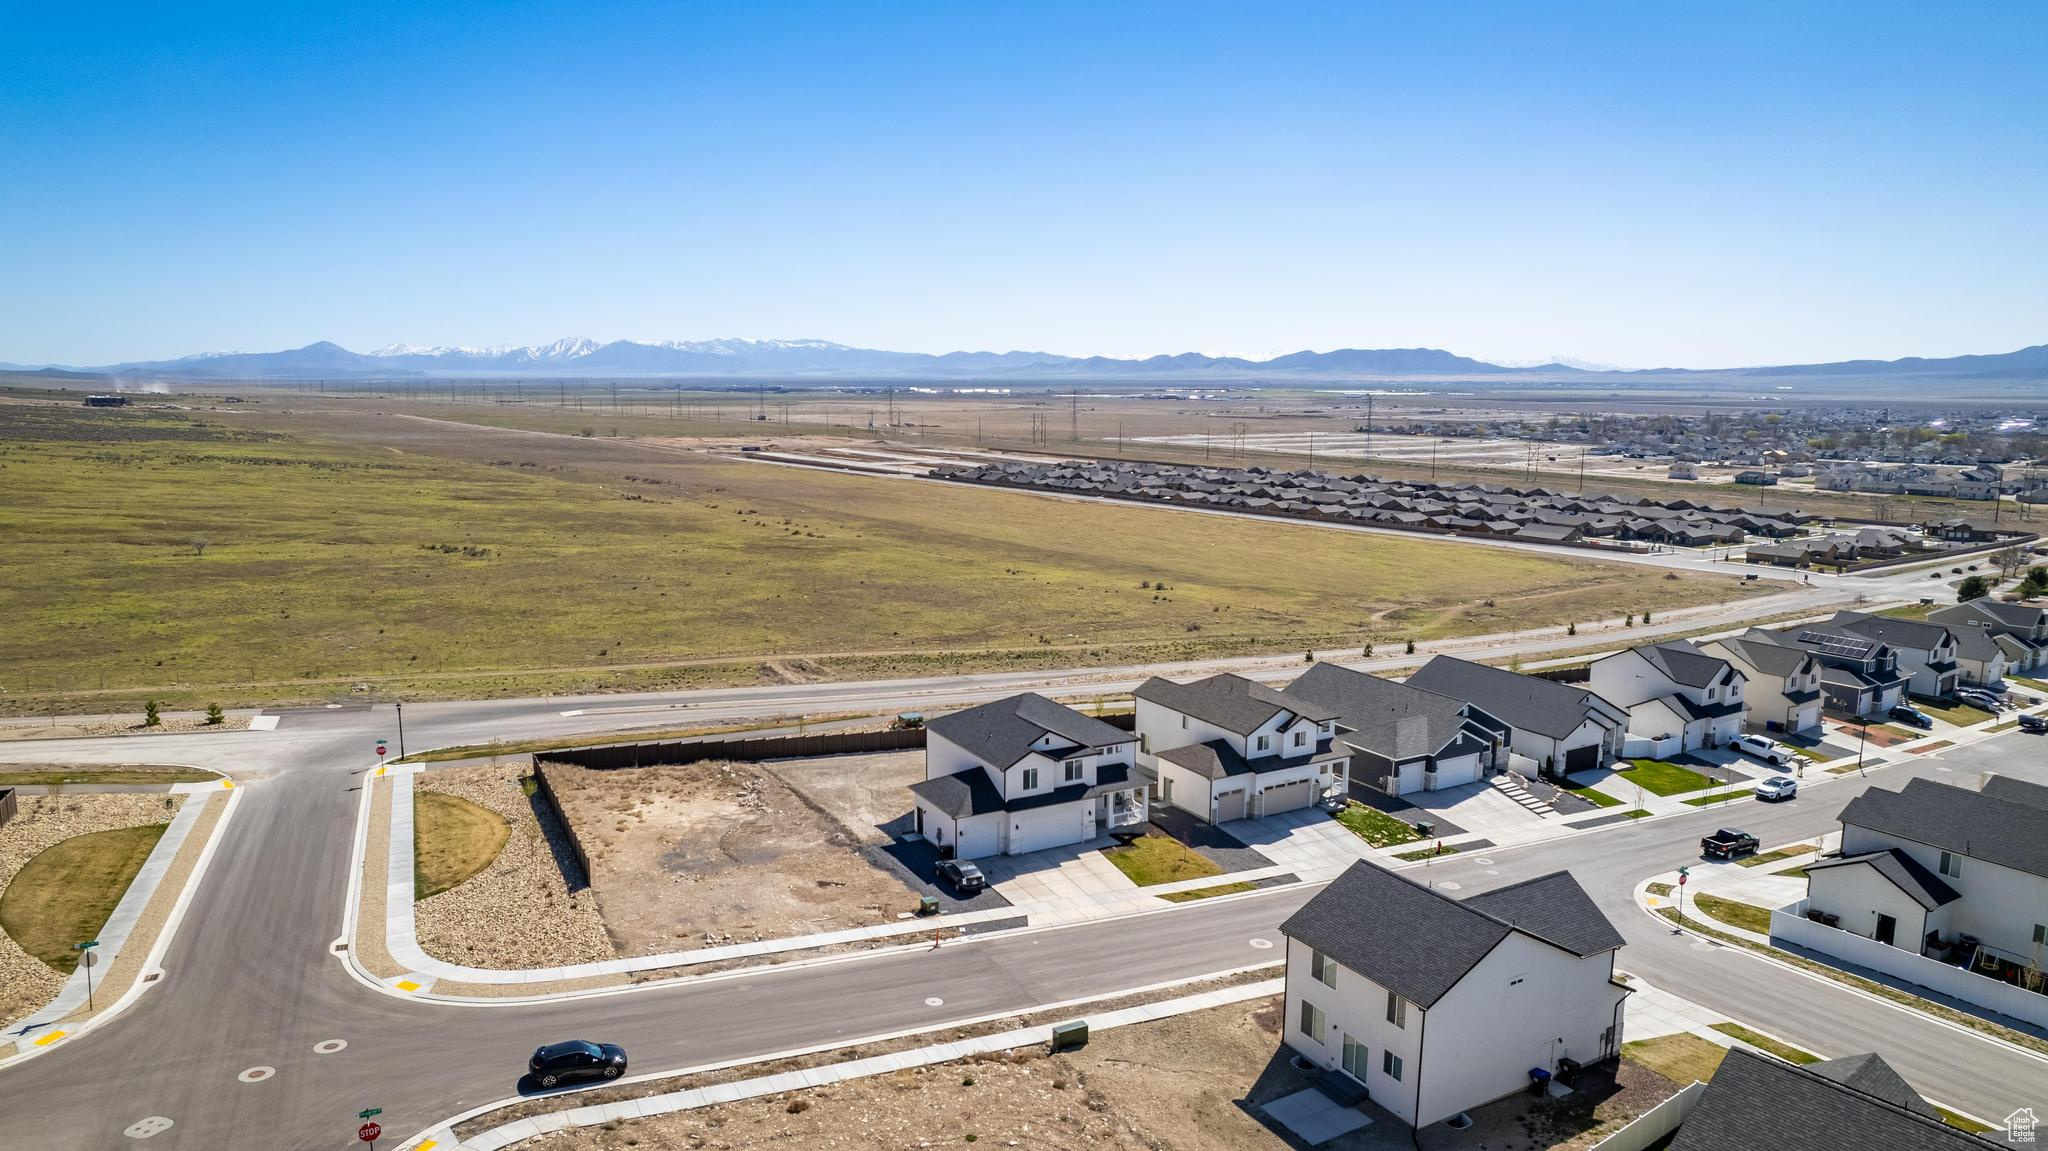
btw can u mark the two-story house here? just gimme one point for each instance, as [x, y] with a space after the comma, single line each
[1756, 1101]
[1925, 866]
[1438, 1005]
[1673, 689]
[1927, 652]
[1227, 748]
[1024, 774]
[1859, 675]
[2023, 628]
[1781, 685]
[1403, 739]
[1563, 727]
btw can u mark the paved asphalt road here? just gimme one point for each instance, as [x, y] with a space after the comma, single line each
[250, 981]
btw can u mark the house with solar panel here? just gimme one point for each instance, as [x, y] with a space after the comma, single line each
[1860, 675]
[1024, 774]
[1437, 1005]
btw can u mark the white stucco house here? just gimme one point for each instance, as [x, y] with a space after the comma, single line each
[2021, 629]
[1403, 739]
[1437, 1005]
[1227, 748]
[1781, 684]
[1925, 866]
[1563, 727]
[1024, 774]
[1678, 697]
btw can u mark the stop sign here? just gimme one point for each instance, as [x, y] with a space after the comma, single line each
[368, 1132]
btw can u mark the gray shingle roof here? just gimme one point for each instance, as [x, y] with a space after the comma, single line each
[1001, 733]
[1395, 720]
[1216, 759]
[1873, 1076]
[1756, 1102]
[2015, 790]
[1926, 888]
[1774, 659]
[1530, 704]
[1900, 633]
[971, 792]
[1418, 943]
[1230, 702]
[1980, 825]
[1683, 663]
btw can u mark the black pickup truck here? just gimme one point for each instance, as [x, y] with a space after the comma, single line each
[1728, 843]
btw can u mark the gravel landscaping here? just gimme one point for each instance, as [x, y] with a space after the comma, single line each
[520, 911]
[42, 822]
[83, 728]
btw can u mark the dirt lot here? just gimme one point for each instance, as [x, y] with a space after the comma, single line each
[868, 794]
[707, 853]
[1189, 1083]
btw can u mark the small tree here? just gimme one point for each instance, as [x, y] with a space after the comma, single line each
[150, 717]
[200, 544]
[1367, 652]
[1411, 647]
[214, 715]
[1571, 629]
[2036, 581]
[1646, 617]
[1308, 657]
[1631, 620]
[1972, 588]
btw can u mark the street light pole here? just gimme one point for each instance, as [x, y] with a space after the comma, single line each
[400, 705]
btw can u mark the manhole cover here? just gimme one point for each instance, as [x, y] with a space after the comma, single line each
[1483, 861]
[935, 1001]
[329, 1046]
[1450, 885]
[257, 1074]
[144, 1128]
[1262, 944]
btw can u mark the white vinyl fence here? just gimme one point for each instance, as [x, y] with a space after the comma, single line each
[1654, 1124]
[1791, 925]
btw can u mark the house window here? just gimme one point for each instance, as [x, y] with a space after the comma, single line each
[1300, 738]
[1391, 1064]
[1951, 865]
[1354, 1059]
[1183, 723]
[1144, 743]
[1265, 741]
[2040, 934]
[1030, 779]
[1312, 1021]
[1166, 788]
[1397, 1010]
[1073, 770]
[1322, 967]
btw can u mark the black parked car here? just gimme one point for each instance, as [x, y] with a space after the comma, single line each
[2032, 722]
[576, 1059]
[962, 876]
[1911, 715]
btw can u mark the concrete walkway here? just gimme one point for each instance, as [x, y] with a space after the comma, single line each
[507, 1134]
[113, 936]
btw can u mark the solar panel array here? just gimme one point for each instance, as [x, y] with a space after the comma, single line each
[1835, 644]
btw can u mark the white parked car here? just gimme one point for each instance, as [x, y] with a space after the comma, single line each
[1768, 750]
[1777, 787]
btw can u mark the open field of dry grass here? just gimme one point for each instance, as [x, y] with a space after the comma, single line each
[260, 556]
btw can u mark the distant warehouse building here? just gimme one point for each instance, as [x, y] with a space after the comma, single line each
[97, 401]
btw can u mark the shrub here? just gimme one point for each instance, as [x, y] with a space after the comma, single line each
[1571, 629]
[1411, 647]
[150, 715]
[214, 715]
[1972, 588]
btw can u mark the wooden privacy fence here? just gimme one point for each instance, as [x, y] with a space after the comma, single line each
[6, 805]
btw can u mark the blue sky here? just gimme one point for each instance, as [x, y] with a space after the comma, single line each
[1644, 184]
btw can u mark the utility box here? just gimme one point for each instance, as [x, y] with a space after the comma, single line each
[1067, 1036]
[927, 905]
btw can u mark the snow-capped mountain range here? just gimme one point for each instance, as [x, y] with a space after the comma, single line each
[586, 358]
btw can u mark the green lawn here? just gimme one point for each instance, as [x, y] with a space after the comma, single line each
[1376, 827]
[1206, 892]
[452, 839]
[1814, 754]
[1661, 778]
[57, 777]
[1793, 872]
[1595, 797]
[1728, 796]
[2040, 685]
[1963, 1122]
[1681, 1058]
[1426, 853]
[1660, 889]
[1960, 714]
[1638, 813]
[1734, 913]
[1785, 1051]
[345, 548]
[1775, 856]
[64, 895]
[1160, 859]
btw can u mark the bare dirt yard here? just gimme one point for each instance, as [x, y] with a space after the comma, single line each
[868, 795]
[1190, 1083]
[693, 855]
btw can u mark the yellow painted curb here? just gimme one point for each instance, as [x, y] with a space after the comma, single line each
[52, 1037]
[227, 783]
[406, 985]
[429, 1145]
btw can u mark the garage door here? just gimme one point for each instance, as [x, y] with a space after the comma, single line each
[1457, 772]
[1055, 826]
[1582, 759]
[1288, 797]
[1230, 805]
